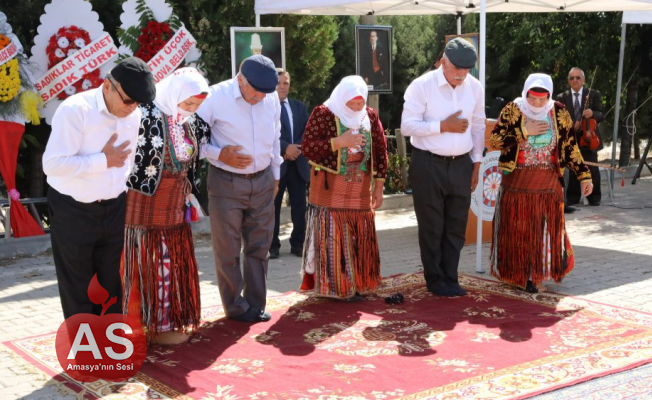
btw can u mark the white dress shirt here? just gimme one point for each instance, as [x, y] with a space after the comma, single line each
[286, 104]
[234, 122]
[429, 100]
[73, 159]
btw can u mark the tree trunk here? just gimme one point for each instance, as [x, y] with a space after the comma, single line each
[637, 147]
[626, 138]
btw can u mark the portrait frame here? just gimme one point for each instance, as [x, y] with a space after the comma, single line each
[474, 39]
[381, 80]
[271, 39]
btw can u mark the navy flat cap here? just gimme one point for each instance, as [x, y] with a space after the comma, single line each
[261, 73]
[461, 53]
[136, 79]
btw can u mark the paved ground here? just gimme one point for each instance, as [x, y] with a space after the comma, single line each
[613, 245]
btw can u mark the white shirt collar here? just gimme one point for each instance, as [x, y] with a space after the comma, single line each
[442, 81]
[99, 98]
[579, 91]
[236, 89]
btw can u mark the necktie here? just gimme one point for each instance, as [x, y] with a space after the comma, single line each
[285, 119]
[578, 107]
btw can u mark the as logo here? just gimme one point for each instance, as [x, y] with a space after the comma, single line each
[110, 347]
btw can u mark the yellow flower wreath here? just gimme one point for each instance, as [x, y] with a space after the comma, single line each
[9, 77]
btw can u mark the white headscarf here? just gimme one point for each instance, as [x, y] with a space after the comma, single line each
[182, 84]
[348, 89]
[535, 81]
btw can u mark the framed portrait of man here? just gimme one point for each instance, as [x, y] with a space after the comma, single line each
[246, 42]
[474, 39]
[373, 57]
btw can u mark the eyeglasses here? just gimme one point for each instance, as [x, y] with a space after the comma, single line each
[127, 102]
[574, 78]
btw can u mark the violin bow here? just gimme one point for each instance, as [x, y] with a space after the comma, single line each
[586, 103]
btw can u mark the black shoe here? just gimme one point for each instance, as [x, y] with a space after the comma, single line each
[253, 315]
[594, 204]
[396, 298]
[273, 253]
[569, 209]
[460, 290]
[531, 287]
[297, 251]
[445, 291]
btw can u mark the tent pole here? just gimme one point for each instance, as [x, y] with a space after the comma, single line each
[483, 35]
[257, 20]
[618, 90]
[459, 23]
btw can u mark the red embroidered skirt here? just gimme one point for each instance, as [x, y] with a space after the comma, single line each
[529, 233]
[159, 269]
[341, 256]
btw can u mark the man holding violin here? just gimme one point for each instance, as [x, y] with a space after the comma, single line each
[585, 107]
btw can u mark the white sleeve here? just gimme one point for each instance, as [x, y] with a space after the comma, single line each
[60, 157]
[414, 109]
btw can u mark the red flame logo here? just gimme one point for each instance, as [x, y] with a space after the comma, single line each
[98, 295]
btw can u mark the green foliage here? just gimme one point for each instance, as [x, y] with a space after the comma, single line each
[395, 163]
[309, 52]
[414, 51]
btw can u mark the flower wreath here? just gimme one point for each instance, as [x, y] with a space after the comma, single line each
[9, 75]
[150, 36]
[14, 80]
[152, 39]
[63, 44]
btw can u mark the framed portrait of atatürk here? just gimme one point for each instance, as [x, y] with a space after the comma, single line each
[373, 56]
[246, 42]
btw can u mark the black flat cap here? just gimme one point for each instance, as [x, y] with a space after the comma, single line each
[261, 73]
[136, 79]
[461, 53]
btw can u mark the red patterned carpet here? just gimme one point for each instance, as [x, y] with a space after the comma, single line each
[496, 343]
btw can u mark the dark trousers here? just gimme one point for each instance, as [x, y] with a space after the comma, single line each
[87, 239]
[441, 191]
[296, 187]
[574, 192]
[242, 220]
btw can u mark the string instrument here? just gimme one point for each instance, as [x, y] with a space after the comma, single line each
[589, 138]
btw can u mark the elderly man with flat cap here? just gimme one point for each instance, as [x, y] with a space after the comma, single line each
[445, 118]
[245, 119]
[87, 160]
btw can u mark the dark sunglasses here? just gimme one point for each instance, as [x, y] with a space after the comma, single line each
[574, 78]
[127, 102]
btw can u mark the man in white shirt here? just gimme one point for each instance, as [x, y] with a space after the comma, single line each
[445, 118]
[244, 115]
[87, 161]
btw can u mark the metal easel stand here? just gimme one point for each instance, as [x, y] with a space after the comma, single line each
[643, 161]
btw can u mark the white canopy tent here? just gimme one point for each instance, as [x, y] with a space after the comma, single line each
[420, 7]
[455, 7]
[629, 17]
[460, 7]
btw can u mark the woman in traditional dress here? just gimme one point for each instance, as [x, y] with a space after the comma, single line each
[536, 139]
[344, 142]
[160, 277]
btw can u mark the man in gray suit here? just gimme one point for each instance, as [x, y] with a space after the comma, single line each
[244, 115]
